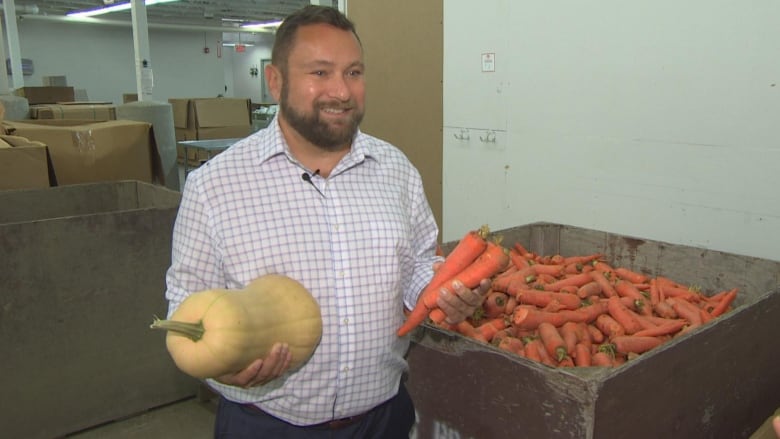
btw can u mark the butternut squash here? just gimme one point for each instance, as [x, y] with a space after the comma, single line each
[219, 331]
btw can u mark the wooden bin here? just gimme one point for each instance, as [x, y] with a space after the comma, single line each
[83, 274]
[719, 381]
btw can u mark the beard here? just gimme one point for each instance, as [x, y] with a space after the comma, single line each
[314, 129]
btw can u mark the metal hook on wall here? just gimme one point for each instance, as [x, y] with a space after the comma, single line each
[490, 137]
[463, 135]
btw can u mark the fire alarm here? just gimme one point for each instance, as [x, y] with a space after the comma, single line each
[206, 50]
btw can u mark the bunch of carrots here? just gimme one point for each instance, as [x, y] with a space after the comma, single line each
[577, 310]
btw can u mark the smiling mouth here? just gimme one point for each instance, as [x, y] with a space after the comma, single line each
[335, 111]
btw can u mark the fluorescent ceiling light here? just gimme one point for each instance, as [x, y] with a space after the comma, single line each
[228, 44]
[113, 8]
[259, 26]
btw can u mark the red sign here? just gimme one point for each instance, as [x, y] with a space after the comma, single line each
[240, 48]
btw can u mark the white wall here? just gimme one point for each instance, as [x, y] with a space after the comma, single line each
[651, 119]
[100, 59]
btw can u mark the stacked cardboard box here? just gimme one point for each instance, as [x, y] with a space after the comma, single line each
[46, 95]
[210, 118]
[89, 151]
[97, 111]
[24, 164]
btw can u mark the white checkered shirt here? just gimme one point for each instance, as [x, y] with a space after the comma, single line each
[363, 246]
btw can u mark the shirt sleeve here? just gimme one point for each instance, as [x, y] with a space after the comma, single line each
[425, 239]
[195, 261]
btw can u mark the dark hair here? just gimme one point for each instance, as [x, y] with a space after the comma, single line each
[312, 14]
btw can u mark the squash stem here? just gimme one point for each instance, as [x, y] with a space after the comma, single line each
[193, 331]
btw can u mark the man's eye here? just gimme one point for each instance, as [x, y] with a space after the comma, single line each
[318, 73]
[356, 73]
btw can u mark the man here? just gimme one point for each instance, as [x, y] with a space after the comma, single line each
[340, 211]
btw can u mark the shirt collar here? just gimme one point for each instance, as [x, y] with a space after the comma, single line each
[271, 143]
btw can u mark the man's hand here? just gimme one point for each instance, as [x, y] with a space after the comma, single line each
[261, 370]
[462, 304]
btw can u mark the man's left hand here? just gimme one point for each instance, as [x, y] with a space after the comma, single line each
[462, 304]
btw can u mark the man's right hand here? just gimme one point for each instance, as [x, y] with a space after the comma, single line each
[262, 370]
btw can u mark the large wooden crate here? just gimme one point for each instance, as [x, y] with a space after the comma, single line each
[720, 381]
[82, 275]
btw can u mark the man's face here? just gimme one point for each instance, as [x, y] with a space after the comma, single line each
[323, 92]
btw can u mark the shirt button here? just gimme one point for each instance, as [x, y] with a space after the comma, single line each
[336, 227]
[346, 321]
[341, 274]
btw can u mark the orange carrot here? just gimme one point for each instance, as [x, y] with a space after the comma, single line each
[596, 336]
[549, 269]
[705, 315]
[573, 268]
[725, 303]
[569, 289]
[623, 315]
[670, 327]
[468, 249]
[511, 303]
[604, 269]
[527, 317]
[523, 251]
[491, 327]
[635, 344]
[569, 334]
[556, 259]
[520, 278]
[552, 341]
[607, 288]
[631, 276]
[576, 280]
[583, 336]
[513, 345]
[494, 304]
[500, 335]
[465, 327]
[566, 361]
[601, 359]
[627, 289]
[543, 298]
[655, 296]
[518, 260]
[582, 259]
[609, 326]
[492, 260]
[591, 288]
[686, 310]
[582, 355]
[533, 350]
[664, 309]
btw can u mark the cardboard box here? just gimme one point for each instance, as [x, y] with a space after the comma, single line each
[54, 81]
[718, 381]
[88, 151]
[100, 112]
[208, 119]
[83, 274]
[211, 118]
[25, 167]
[129, 97]
[46, 95]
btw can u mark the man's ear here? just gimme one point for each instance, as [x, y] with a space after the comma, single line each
[274, 80]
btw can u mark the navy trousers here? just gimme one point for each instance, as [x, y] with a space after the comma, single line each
[392, 420]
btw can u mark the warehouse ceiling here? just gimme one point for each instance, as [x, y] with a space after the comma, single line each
[228, 14]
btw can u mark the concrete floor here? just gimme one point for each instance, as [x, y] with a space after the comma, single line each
[188, 419]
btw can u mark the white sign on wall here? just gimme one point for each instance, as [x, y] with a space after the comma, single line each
[488, 62]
